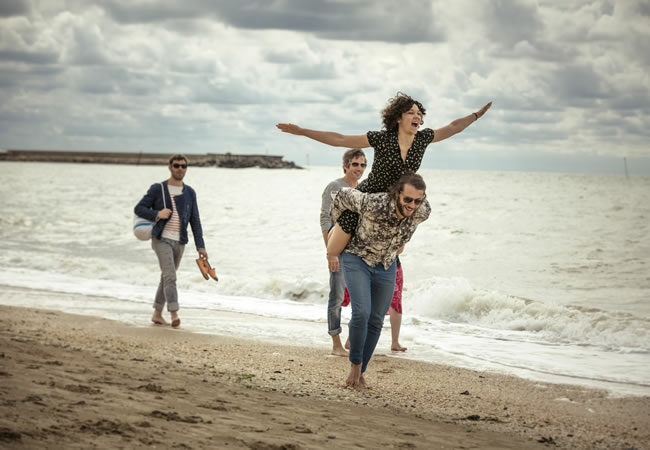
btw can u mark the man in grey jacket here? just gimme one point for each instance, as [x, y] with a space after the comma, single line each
[354, 164]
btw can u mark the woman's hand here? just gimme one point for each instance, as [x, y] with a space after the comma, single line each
[290, 128]
[483, 110]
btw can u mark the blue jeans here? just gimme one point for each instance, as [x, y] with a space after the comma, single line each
[371, 291]
[337, 291]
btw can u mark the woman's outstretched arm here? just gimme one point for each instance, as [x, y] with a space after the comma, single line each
[327, 137]
[459, 125]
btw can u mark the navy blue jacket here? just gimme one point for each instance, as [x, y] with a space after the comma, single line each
[186, 207]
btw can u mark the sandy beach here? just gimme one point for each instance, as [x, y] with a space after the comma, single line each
[80, 381]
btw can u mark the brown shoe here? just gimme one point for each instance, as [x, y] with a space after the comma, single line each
[204, 267]
[211, 271]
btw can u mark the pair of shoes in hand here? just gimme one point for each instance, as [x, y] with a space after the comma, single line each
[206, 270]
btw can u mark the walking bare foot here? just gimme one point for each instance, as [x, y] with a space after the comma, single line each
[347, 344]
[354, 375]
[337, 348]
[158, 319]
[396, 347]
[362, 383]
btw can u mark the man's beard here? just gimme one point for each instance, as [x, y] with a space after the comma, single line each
[177, 177]
[400, 207]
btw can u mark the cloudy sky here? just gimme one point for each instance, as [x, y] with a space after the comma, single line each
[569, 78]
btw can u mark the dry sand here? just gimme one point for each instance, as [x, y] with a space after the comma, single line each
[78, 381]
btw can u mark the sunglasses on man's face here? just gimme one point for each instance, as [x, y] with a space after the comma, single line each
[182, 166]
[417, 201]
[356, 164]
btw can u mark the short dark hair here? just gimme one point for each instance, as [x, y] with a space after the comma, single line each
[178, 157]
[411, 178]
[350, 154]
[397, 106]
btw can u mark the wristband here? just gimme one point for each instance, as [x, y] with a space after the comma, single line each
[475, 115]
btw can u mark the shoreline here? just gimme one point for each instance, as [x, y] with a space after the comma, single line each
[277, 330]
[82, 379]
[225, 160]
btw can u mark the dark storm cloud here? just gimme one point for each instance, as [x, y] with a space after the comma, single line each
[516, 30]
[509, 22]
[579, 85]
[403, 22]
[10, 8]
[29, 56]
[639, 100]
[34, 78]
[638, 49]
[643, 8]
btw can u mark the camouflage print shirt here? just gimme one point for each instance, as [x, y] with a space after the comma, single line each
[379, 234]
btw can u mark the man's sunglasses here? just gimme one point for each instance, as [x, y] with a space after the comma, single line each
[417, 201]
[182, 166]
[356, 164]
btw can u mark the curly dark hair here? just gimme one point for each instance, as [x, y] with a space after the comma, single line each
[397, 106]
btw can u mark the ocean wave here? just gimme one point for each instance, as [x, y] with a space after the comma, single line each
[291, 287]
[455, 300]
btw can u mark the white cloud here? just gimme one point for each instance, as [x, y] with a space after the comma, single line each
[133, 75]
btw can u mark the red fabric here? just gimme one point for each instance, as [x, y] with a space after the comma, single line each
[396, 304]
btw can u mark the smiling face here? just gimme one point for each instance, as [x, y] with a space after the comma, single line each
[355, 168]
[410, 120]
[408, 201]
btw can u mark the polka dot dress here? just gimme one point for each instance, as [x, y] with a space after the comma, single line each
[387, 166]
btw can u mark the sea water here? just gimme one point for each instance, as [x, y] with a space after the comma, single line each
[545, 276]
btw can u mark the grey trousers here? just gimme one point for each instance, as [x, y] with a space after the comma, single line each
[169, 255]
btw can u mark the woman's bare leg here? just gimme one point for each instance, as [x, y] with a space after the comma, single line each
[395, 325]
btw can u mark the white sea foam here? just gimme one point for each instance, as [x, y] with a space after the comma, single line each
[456, 301]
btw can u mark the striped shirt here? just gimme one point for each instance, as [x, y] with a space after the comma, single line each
[173, 226]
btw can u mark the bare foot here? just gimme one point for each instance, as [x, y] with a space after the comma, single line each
[362, 383]
[158, 319]
[347, 344]
[354, 375]
[397, 348]
[337, 348]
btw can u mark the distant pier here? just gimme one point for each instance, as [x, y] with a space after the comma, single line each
[228, 160]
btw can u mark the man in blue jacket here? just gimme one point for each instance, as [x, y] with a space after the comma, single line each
[169, 234]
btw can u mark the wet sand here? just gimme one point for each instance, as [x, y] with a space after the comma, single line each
[80, 381]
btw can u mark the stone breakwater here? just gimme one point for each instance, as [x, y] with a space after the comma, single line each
[228, 160]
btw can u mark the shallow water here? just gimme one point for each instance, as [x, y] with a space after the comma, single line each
[541, 275]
